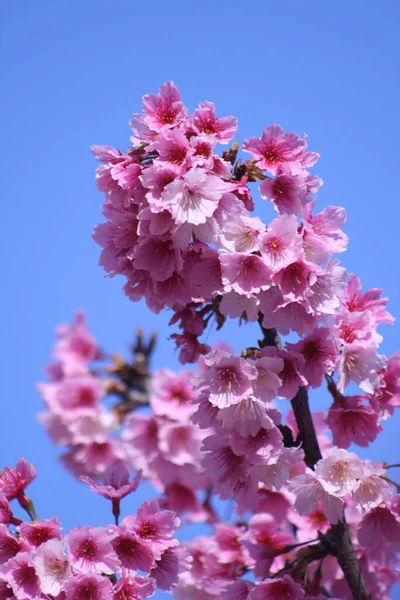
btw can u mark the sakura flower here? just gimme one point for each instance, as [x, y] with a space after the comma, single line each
[371, 301]
[361, 364]
[387, 396]
[194, 198]
[75, 343]
[90, 550]
[42, 531]
[133, 587]
[265, 542]
[320, 354]
[91, 586]
[378, 527]
[247, 417]
[204, 121]
[267, 381]
[339, 470]
[21, 576]
[372, 490]
[167, 568]
[5, 510]
[158, 256]
[353, 421]
[13, 482]
[236, 305]
[277, 589]
[133, 553]
[164, 110]
[322, 234]
[281, 244]
[154, 526]
[277, 149]
[310, 490]
[173, 149]
[287, 193]
[173, 394]
[10, 545]
[242, 234]
[228, 379]
[52, 567]
[116, 484]
[244, 273]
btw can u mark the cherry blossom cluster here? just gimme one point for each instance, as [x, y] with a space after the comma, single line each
[180, 228]
[164, 444]
[96, 563]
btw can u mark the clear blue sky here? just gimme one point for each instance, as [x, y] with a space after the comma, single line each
[73, 72]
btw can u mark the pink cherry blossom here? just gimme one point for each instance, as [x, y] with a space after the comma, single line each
[287, 193]
[42, 531]
[133, 587]
[281, 244]
[277, 589]
[310, 490]
[52, 567]
[353, 421]
[90, 550]
[204, 121]
[339, 470]
[13, 482]
[91, 586]
[20, 574]
[379, 526]
[277, 149]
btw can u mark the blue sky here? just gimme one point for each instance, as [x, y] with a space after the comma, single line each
[74, 72]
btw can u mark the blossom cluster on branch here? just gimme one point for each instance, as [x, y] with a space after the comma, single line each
[308, 518]
[87, 563]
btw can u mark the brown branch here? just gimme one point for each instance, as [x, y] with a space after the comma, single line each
[344, 548]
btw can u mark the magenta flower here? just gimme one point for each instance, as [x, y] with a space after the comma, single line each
[277, 589]
[281, 244]
[194, 198]
[158, 256]
[339, 471]
[116, 484]
[173, 394]
[320, 355]
[90, 550]
[286, 192]
[277, 150]
[361, 364]
[378, 528]
[164, 110]
[88, 587]
[228, 380]
[52, 567]
[10, 545]
[168, 567]
[310, 490]
[14, 481]
[21, 576]
[75, 343]
[5, 510]
[353, 421]
[154, 526]
[42, 531]
[244, 273]
[205, 122]
[132, 551]
[133, 587]
[372, 490]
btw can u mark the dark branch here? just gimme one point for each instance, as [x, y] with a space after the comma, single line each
[344, 549]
